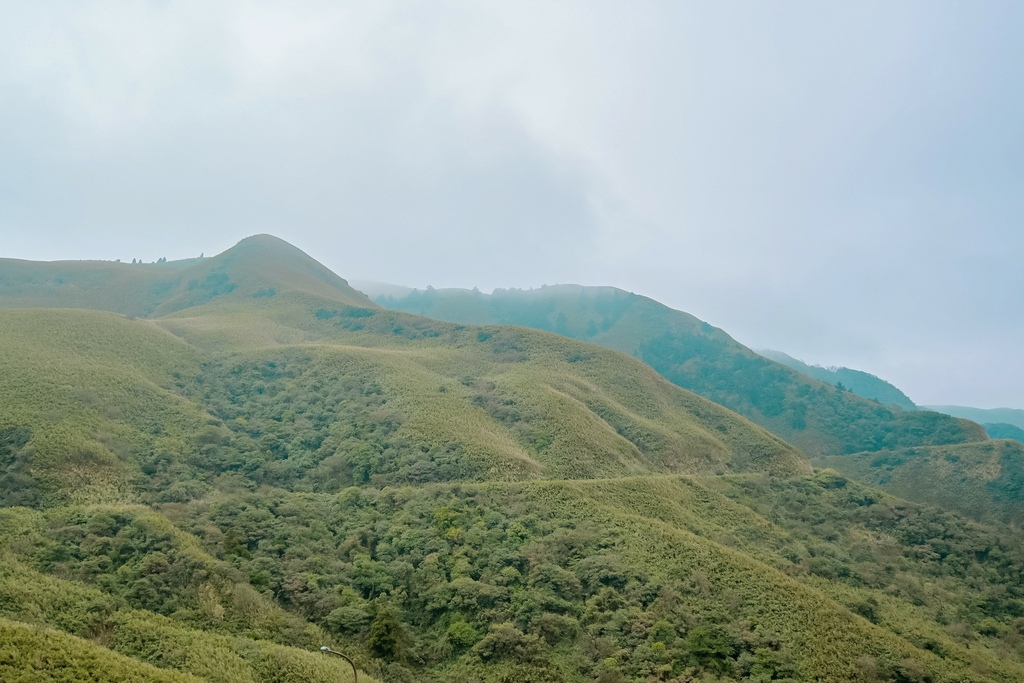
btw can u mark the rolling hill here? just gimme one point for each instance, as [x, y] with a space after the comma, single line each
[207, 483]
[256, 267]
[813, 415]
[984, 480]
[95, 401]
[1001, 430]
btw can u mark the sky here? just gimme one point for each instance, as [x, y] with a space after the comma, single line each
[840, 181]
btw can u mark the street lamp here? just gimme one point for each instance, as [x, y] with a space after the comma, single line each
[329, 651]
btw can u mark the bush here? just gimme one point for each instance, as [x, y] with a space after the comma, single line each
[505, 641]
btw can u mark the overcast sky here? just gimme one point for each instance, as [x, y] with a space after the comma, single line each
[841, 182]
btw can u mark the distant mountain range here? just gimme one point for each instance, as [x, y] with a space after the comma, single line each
[1010, 416]
[999, 423]
[859, 382]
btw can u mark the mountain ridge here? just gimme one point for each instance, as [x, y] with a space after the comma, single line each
[258, 266]
[815, 416]
[1011, 416]
[859, 382]
[220, 489]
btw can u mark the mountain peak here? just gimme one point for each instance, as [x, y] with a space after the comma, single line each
[262, 266]
[258, 267]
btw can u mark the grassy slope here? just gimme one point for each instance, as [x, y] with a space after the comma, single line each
[983, 480]
[556, 408]
[128, 402]
[300, 389]
[809, 414]
[805, 613]
[89, 397]
[775, 564]
[135, 585]
[35, 654]
[257, 267]
[107, 409]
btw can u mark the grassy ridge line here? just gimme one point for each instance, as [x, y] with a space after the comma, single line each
[516, 403]
[258, 267]
[637, 404]
[102, 285]
[981, 480]
[576, 412]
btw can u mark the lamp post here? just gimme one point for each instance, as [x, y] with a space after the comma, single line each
[329, 651]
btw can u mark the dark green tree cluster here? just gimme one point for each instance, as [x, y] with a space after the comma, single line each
[821, 419]
[458, 581]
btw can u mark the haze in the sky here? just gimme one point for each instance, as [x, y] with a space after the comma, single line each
[841, 181]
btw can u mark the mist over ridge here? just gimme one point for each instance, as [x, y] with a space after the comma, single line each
[836, 182]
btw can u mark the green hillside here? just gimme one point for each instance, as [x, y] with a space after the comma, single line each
[90, 404]
[741, 577]
[984, 480]
[38, 654]
[1001, 430]
[115, 591]
[859, 382]
[214, 491]
[105, 409]
[257, 267]
[815, 416]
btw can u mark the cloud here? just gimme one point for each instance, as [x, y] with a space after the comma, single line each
[840, 182]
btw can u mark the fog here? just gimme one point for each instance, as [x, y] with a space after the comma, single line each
[842, 183]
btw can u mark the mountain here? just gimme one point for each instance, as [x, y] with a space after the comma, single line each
[258, 266]
[426, 402]
[211, 487]
[984, 480]
[859, 382]
[1010, 416]
[1001, 430]
[813, 415]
